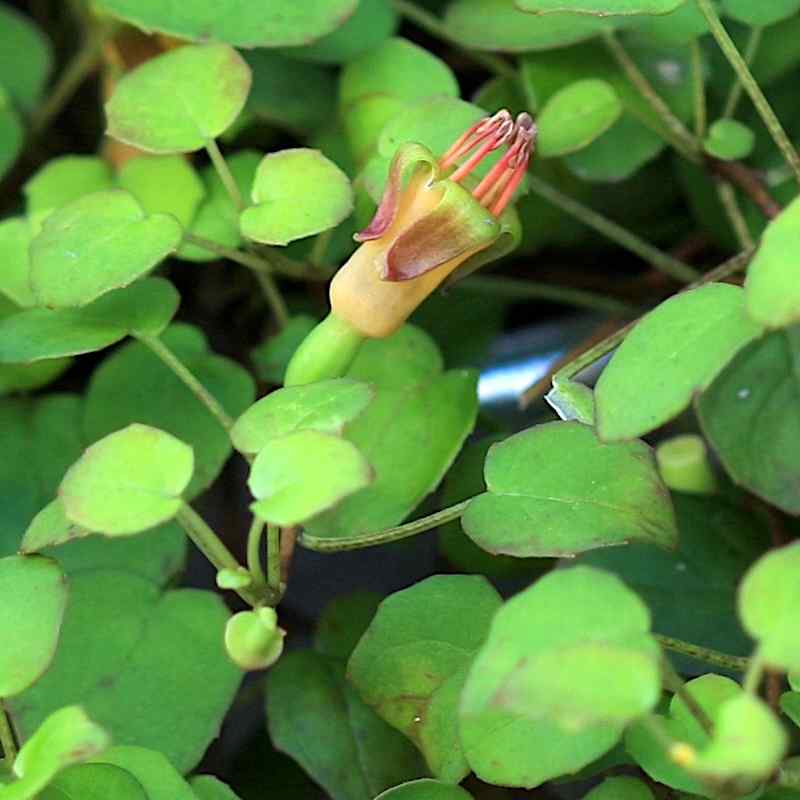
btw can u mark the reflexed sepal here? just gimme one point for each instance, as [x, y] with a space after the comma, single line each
[457, 226]
[506, 242]
[407, 162]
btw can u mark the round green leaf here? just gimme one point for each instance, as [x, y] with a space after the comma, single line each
[207, 787]
[710, 692]
[561, 719]
[772, 288]
[94, 782]
[752, 395]
[238, 22]
[325, 406]
[100, 242]
[343, 622]
[729, 140]
[303, 473]
[769, 604]
[674, 351]
[758, 15]
[717, 542]
[177, 102]
[415, 651]
[133, 385]
[23, 78]
[425, 789]
[575, 116]
[676, 29]
[151, 769]
[126, 679]
[164, 185]
[600, 8]
[144, 308]
[34, 598]
[539, 503]
[499, 25]
[345, 747]
[398, 68]
[128, 482]
[617, 154]
[66, 737]
[371, 24]
[15, 239]
[63, 180]
[747, 746]
[623, 788]
[297, 193]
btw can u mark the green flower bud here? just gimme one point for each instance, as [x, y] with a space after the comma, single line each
[253, 639]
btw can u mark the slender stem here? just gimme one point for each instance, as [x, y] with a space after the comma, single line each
[249, 260]
[675, 684]
[750, 50]
[748, 181]
[320, 247]
[699, 90]
[705, 654]
[274, 298]
[254, 536]
[524, 289]
[754, 674]
[213, 548]
[221, 166]
[274, 570]
[275, 262]
[750, 85]
[727, 196]
[72, 76]
[611, 230]
[433, 25]
[161, 351]
[388, 535]
[684, 140]
[7, 742]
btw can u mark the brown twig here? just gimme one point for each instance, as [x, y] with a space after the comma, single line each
[749, 181]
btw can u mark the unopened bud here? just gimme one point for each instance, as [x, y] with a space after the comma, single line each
[253, 639]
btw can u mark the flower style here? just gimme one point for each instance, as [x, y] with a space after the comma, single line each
[428, 226]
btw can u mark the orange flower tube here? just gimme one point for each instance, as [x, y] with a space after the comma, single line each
[428, 226]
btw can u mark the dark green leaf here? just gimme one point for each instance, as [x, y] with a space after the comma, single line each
[342, 743]
[675, 351]
[555, 489]
[272, 356]
[157, 677]
[411, 663]
[563, 720]
[755, 394]
[23, 78]
[145, 307]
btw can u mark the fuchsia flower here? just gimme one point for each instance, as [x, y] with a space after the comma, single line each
[429, 224]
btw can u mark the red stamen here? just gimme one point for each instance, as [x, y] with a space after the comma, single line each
[497, 189]
[496, 129]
